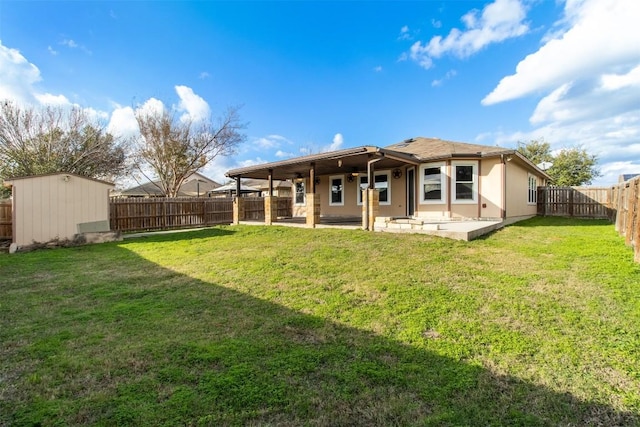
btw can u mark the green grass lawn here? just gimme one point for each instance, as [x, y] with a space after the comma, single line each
[537, 324]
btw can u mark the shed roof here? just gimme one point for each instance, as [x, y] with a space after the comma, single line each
[9, 182]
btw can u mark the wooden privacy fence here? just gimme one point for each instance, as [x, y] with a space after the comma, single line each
[6, 229]
[578, 202]
[137, 214]
[626, 197]
[133, 214]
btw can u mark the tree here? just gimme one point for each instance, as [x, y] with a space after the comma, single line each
[536, 151]
[57, 139]
[177, 148]
[570, 166]
[573, 167]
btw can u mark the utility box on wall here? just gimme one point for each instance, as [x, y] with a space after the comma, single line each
[58, 207]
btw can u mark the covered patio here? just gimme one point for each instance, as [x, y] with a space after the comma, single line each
[309, 172]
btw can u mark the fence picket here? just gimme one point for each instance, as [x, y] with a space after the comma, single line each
[6, 230]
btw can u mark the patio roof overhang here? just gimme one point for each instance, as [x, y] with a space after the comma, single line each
[349, 160]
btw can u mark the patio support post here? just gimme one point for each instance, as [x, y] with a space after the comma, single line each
[365, 208]
[238, 205]
[269, 202]
[373, 207]
[313, 202]
[370, 197]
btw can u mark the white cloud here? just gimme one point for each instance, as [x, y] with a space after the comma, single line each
[377, 68]
[284, 154]
[587, 73]
[271, 141]
[195, 107]
[404, 33]
[204, 75]
[620, 81]
[336, 144]
[52, 51]
[19, 79]
[449, 75]
[436, 24]
[69, 43]
[603, 38]
[615, 140]
[123, 122]
[151, 106]
[498, 21]
[49, 99]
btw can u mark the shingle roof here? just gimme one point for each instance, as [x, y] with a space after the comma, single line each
[434, 148]
[189, 188]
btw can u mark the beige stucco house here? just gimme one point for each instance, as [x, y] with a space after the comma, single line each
[426, 179]
[57, 206]
[195, 185]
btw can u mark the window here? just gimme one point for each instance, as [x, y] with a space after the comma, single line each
[381, 180]
[432, 183]
[465, 177]
[336, 191]
[533, 190]
[300, 196]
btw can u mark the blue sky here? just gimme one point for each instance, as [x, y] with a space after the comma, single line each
[317, 76]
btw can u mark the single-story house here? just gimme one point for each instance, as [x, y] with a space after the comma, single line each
[426, 179]
[281, 188]
[196, 185]
[254, 188]
[59, 207]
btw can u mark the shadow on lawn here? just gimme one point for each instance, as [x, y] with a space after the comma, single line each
[172, 350]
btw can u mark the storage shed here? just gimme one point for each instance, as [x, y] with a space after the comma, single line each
[58, 207]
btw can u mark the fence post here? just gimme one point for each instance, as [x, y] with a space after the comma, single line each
[632, 204]
[636, 226]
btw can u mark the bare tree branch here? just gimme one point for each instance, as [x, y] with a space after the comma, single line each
[177, 149]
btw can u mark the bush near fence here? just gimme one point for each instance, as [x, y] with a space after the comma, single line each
[619, 204]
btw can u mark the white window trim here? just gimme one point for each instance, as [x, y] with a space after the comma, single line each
[443, 183]
[331, 178]
[304, 196]
[535, 189]
[454, 196]
[380, 173]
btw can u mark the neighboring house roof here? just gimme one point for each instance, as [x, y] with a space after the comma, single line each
[411, 151]
[231, 188]
[194, 185]
[263, 184]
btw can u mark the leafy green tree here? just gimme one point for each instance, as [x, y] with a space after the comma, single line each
[536, 151]
[569, 166]
[175, 148]
[573, 167]
[56, 139]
